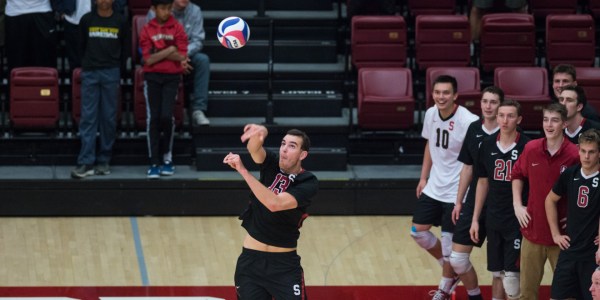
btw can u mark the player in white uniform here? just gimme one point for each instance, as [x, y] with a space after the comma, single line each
[445, 126]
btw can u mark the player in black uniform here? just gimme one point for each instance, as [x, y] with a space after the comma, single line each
[574, 99]
[497, 155]
[269, 266]
[463, 213]
[577, 258]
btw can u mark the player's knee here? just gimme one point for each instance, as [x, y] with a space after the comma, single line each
[497, 275]
[511, 283]
[425, 239]
[460, 262]
[446, 245]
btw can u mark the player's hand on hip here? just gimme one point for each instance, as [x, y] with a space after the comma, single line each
[562, 241]
[456, 212]
[254, 131]
[522, 216]
[474, 231]
[420, 187]
[234, 161]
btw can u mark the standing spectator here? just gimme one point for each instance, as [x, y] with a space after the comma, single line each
[579, 184]
[540, 165]
[497, 155]
[31, 36]
[164, 48]
[72, 34]
[444, 127]
[190, 16]
[462, 245]
[563, 75]
[104, 39]
[481, 7]
[595, 287]
[573, 98]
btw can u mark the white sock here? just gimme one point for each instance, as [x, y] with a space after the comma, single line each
[446, 284]
[474, 292]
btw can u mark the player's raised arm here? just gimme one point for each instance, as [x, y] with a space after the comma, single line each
[255, 135]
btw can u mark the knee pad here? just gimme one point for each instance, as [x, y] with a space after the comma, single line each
[446, 245]
[511, 282]
[425, 239]
[497, 275]
[460, 262]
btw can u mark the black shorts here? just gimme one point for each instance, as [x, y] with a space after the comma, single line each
[433, 212]
[504, 249]
[463, 225]
[572, 278]
[265, 275]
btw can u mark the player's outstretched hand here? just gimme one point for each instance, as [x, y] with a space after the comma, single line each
[562, 241]
[456, 212]
[522, 216]
[474, 231]
[254, 130]
[420, 187]
[234, 161]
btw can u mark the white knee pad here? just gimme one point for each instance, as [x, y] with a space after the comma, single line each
[425, 239]
[460, 262]
[511, 283]
[446, 245]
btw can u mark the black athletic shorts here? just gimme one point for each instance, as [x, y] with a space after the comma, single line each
[463, 225]
[433, 212]
[572, 278]
[504, 249]
[266, 275]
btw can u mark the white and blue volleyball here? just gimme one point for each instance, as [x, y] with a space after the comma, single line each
[233, 33]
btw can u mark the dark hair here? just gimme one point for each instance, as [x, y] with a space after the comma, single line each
[513, 103]
[565, 68]
[305, 139]
[581, 98]
[159, 2]
[446, 79]
[494, 90]
[557, 107]
[590, 136]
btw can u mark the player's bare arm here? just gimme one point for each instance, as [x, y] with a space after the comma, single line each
[520, 210]
[255, 135]
[466, 174]
[273, 202]
[480, 195]
[425, 169]
[552, 215]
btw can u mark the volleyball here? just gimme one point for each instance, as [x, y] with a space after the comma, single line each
[233, 32]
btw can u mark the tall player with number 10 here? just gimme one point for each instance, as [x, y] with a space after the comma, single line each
[445, 126]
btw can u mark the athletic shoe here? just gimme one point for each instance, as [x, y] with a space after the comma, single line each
[439, 295]
[167, 169]
[82, 171]
[153, 172]
[102, 169]
[199, 118]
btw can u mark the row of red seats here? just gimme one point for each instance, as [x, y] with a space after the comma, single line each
[386, 101]
[34, 99]
[507, 39]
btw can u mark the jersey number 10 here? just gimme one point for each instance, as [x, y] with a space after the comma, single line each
[444, 138]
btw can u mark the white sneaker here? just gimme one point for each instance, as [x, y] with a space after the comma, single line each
[200, 118]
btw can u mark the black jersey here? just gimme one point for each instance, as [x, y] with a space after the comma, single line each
[585, 125]
[469, 155]
[496, 165]
[280, 228]
[583, 210]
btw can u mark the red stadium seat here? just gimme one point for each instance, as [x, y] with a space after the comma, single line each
[541, 8]
[378, 41]
[385, 98]
[138, 22]
[589, 80]
[431, 7]
[570, 39]
[34, 98]
[452, 33]
[469, 86]
[529, 86]
[138, 7]
[139, 102]
[507, 40]
[76, 97]
[594, 7]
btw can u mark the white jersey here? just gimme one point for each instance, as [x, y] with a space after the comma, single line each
[445, 141]
[21, 7]
[82, 7]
